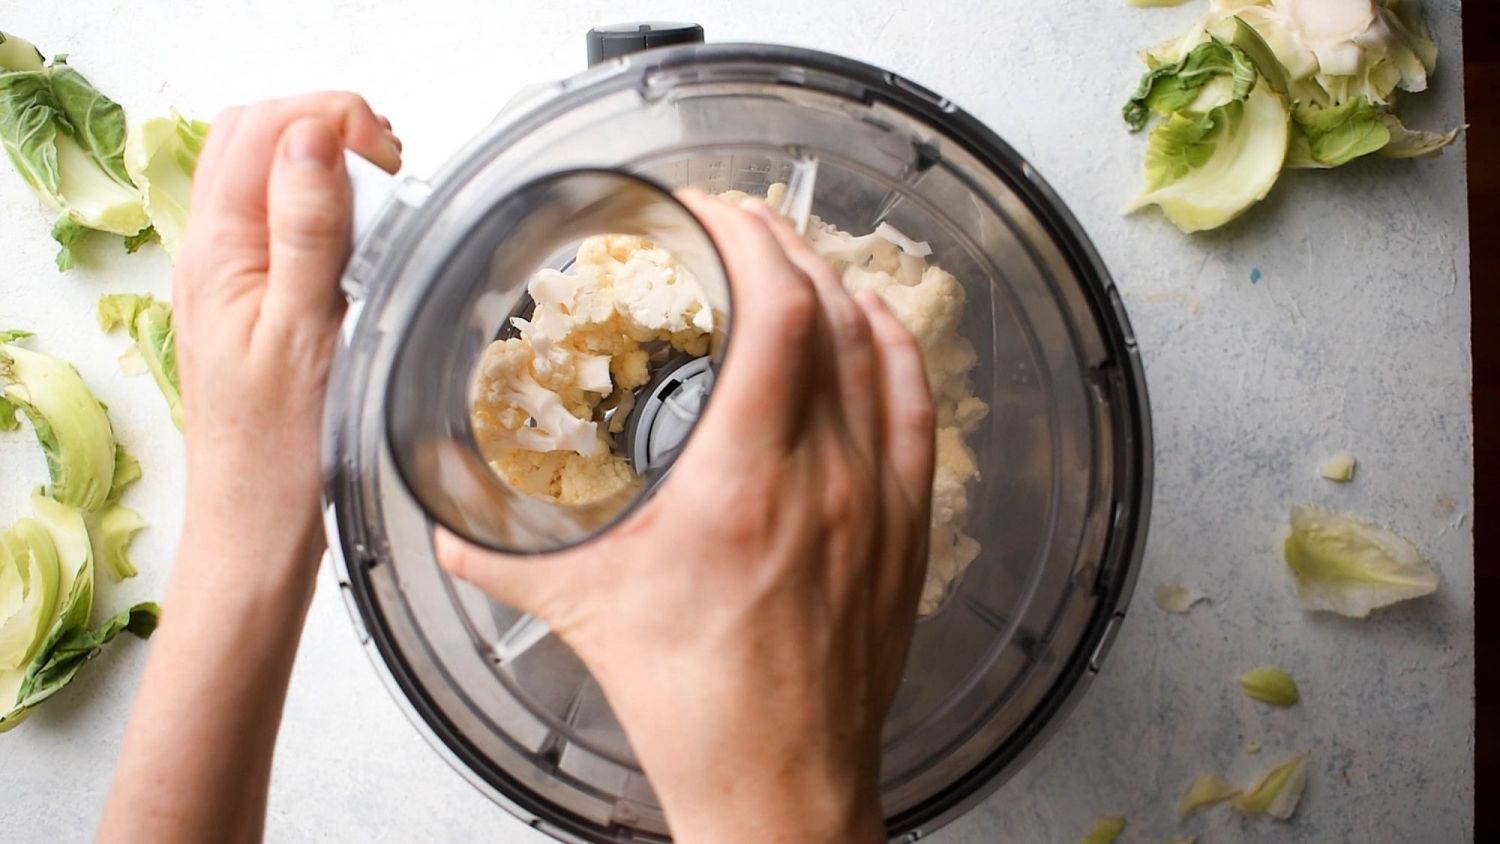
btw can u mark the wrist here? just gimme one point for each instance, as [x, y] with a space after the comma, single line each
[219, 553]
[737, 770]
[234, 519]
[736, 803]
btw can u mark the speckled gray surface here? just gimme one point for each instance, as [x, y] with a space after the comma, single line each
[1354, 337]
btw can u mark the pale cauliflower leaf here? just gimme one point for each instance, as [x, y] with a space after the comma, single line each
[29, 576]
[1222, 144]
[69, 641]
[1105, 830]
[1338, 63]
[1342, 52]
[1269, 684]
[1347, 566]
[161, 156]
[1277, 791]
[1338, 468]
[149, 323]
[70, 424]
[67, 141]
[1204, 791]
[1339, 49]
[1176, 598]
[112, 533]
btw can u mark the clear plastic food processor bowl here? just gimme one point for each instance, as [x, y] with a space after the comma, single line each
[1064, 454]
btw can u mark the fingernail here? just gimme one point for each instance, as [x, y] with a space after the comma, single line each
[312, 142]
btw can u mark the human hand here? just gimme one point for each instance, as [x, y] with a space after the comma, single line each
[256, 309]
[256, 313]
[750, 623]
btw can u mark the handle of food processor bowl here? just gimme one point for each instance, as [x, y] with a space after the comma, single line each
[374, 191]
[796, 203]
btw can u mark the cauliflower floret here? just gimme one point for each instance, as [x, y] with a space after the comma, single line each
[508, 395]
[929, 309]
[581, 345]
[966, 414]
[563, 476]
[631, 369]
[657, 295]
[950, 552]
[954, 467]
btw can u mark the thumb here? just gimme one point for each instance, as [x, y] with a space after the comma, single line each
[308, 211]
[525, 583]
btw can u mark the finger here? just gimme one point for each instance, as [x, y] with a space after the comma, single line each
[853, 347]
[390, 132]
[908, 443]
[205, 177]
[761, 390]
[906, 409]
[240, 193]
[308, 221]
[220, 134]
[524, 583]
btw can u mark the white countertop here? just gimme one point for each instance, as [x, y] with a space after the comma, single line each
[1356, 336]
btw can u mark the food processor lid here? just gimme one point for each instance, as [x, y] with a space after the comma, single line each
[1065, 455]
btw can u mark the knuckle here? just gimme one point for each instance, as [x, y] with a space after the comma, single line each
[753, 518]
[918, 415]
[838, 490]
[794, 314]
[226, 117]
[349, 99]
[849, 324]
[228, 248]
[902, 340]
[821, 270]
[308, 221]
[846, 492]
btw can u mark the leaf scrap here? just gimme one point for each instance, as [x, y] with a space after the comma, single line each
[1204, 791]
[1278, 790]
[1347, 566]
[1269, 684]
[1176, 598]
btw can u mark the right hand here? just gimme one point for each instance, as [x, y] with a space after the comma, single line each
[750, 623]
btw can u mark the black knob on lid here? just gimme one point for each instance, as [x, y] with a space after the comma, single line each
[622, 39]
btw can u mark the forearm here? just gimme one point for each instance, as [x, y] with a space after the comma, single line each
[735, 762]
[197, 754]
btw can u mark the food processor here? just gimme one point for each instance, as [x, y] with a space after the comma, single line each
[1060, 509]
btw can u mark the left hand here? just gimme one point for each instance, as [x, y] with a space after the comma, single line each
[257, 309]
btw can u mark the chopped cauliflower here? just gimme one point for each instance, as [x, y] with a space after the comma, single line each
[565, 476]
[514, 409]
[929, 301]
[540, 398]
